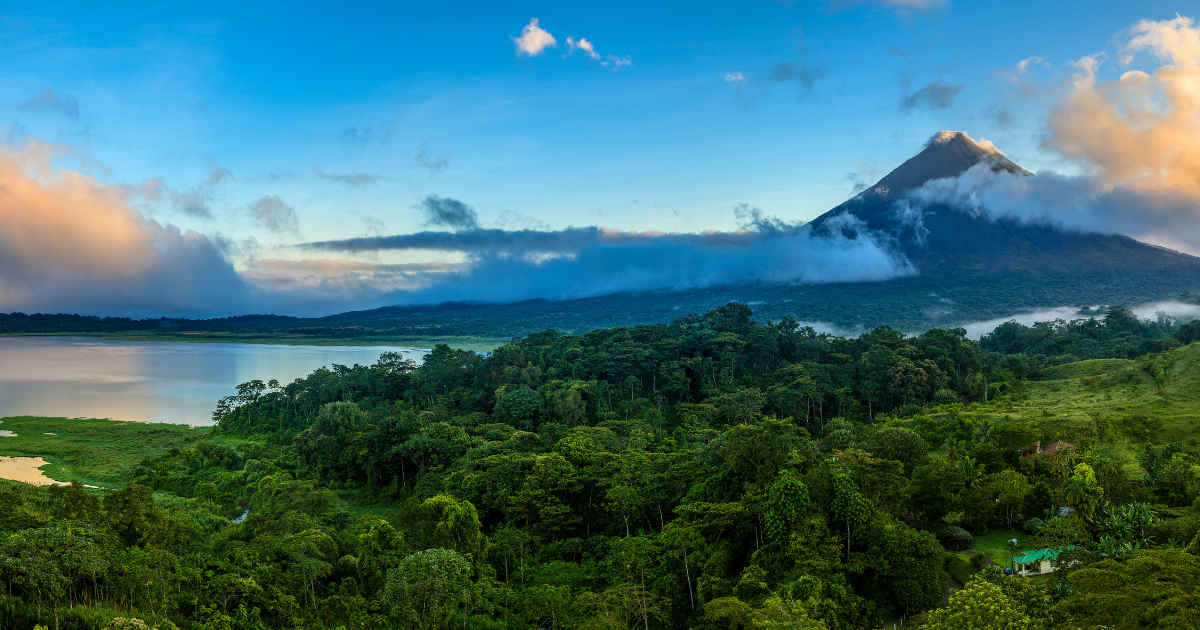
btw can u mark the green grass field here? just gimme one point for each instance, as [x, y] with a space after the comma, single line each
[95, 452]
[1153, 399]
[994, 545]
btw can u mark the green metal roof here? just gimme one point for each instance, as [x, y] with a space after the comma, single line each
[1038, 555]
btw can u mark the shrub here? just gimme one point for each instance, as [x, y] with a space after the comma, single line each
[954, 537]
[127, 623]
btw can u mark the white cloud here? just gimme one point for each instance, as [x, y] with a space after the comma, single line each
[582, 44]
[1167, 39]
[273, 214]
[534, 39]
[616, 62]
[1025, 63]
[736, 78]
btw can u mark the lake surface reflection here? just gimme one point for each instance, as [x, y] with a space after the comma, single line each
[177, 383]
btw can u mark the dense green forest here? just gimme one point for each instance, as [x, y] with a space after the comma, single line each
[711, 473]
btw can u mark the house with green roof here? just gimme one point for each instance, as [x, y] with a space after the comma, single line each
[1037, 562]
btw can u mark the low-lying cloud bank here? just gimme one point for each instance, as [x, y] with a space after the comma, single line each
[69, 242]
[505, 265]
[1179, 311]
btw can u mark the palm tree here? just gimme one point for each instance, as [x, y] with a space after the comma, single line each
[970, 472]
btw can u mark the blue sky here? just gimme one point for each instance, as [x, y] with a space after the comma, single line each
[349, 115]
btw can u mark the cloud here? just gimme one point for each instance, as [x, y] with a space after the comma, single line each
[616, 62]
[582, 44]
[273, 214]
[1026, 63]
[610, 61]
[363, 135]
[933, 95]
[346, 277]
[798, 70]
[804, 74]
[350, 179]
[1175, 40]
[435, 162]
[506, 266]
[197, 201]
[1142, 130]
[47, 101]
[1078, 203]
[447, 212]
[865, 173]
[70, 243]
[533, 40]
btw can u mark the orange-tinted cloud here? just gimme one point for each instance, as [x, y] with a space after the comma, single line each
[69, 242]
[67, 220]
[1142, 130]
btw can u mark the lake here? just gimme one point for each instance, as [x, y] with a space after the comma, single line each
[151, 381]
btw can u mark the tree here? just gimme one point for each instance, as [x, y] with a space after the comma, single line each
[543, 498]
[933, 489]
[1012, 488]
[431, 589]
[778, 613]
[309, 554]
[904, 566]
[1149, 589]
[520, 408]
[874, 367]
[629, 476]
[380, 548]
[455, 525]
[132, 513]
[128, 623]
[683, 539]
[900, 444]
[786, 502]
[850, 507]
[1081, 491]
[980, 606]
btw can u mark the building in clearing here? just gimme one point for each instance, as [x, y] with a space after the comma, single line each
[1053, 451]
[1037, 562]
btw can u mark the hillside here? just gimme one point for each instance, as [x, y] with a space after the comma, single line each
[1152, 399]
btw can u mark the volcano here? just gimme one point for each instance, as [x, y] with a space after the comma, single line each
[950, 242]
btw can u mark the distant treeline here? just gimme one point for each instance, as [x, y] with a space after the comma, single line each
[1051, 339]
[1118, 334]
[39, 323]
